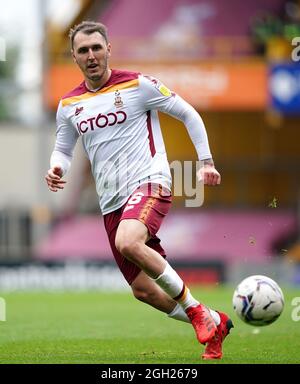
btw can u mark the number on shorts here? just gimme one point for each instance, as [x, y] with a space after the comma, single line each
[135, 199]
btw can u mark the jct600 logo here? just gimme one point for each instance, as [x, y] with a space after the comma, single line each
[101, 121]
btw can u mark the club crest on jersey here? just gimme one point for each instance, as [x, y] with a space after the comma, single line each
[118, 100]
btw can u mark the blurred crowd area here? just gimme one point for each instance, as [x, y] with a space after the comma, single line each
[236, 62]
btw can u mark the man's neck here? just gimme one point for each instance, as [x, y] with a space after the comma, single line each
[96, 85]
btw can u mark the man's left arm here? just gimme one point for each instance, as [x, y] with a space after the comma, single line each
[193, 122]
[157, 96]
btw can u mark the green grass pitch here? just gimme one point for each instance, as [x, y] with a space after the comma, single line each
[110, 328]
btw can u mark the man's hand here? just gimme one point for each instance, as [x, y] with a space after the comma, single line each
[209, 175]
[53, 179]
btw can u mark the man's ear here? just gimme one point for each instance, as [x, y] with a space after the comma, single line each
[109, 49]
[73, 56]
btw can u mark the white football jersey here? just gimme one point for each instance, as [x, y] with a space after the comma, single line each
[121, 133]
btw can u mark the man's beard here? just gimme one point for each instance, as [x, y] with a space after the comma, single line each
[99, 76]
[95, 77]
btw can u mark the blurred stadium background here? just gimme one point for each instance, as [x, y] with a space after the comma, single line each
[234, 61]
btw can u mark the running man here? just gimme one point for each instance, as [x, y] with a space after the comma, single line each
[115, 112]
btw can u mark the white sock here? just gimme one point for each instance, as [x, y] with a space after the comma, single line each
[170, 282]
[179, 314]
[215, 316]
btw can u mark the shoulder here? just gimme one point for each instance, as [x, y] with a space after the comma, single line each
[147, 81]
[121, 76]
[79, 90]
[73, 96]
[68, 99]
[153, 84]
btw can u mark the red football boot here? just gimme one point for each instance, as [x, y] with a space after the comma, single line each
[213, 348]
[202, 322]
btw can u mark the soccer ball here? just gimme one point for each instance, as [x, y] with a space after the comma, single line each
[258, 300]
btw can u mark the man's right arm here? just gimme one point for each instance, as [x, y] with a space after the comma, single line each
[61, 157]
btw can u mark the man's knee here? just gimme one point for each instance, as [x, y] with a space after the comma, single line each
[128, 246]
[130, 238]
[143, 294]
